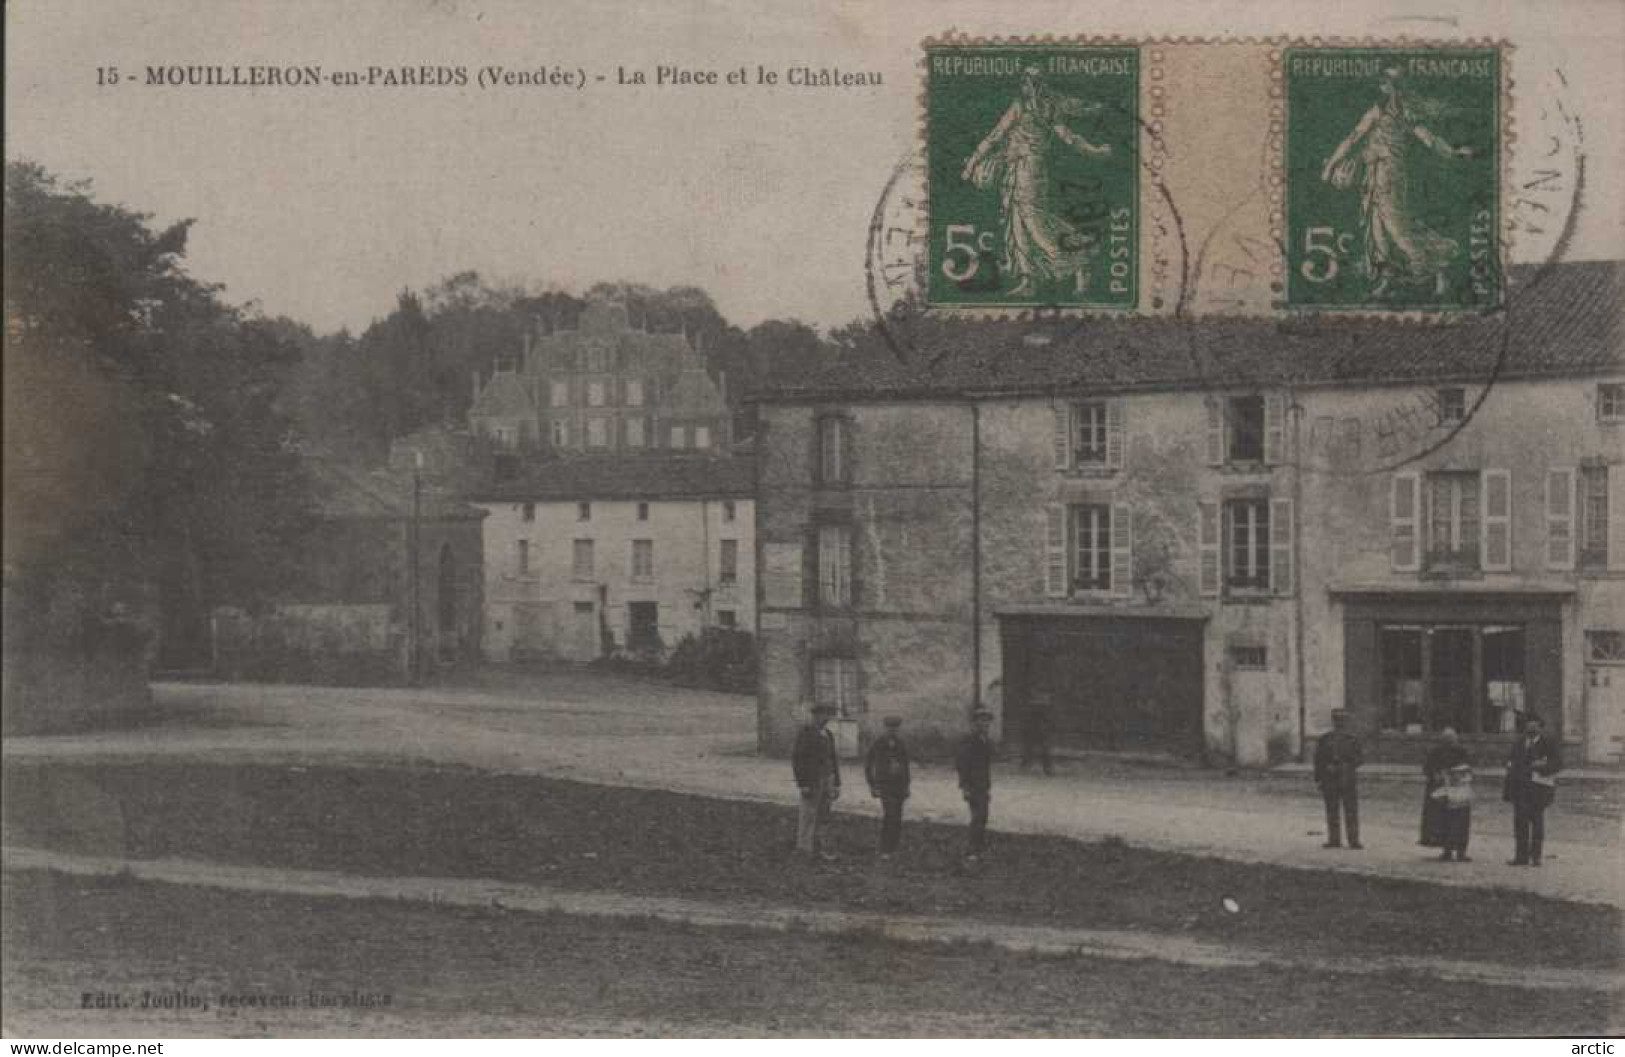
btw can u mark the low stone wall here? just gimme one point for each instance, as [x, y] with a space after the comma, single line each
[335, 645]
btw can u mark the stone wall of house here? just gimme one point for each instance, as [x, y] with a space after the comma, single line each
[909, 628]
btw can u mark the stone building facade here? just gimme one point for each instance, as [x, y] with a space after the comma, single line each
[1201, 540]
[603, 388]
[591, 556]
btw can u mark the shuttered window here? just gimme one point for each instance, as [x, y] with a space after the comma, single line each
[1496, 549]
[1560, 518]
[835, 683]
[1207, 541]
[1405, 522]
[835, 565]
[1090, 434]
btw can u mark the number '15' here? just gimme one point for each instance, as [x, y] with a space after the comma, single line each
[106, 75]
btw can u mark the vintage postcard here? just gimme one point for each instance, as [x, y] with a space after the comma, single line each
[933, 520]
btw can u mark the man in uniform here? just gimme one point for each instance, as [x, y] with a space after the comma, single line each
[975, 765]
[1529, 788]
[818, 775]
[886, 769]
[1337, 763]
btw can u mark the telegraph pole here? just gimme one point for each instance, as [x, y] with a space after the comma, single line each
[414, 643]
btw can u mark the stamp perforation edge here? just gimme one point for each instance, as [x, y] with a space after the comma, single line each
[1154, 146]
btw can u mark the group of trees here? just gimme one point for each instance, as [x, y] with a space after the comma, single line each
[146, 445]
[414, 367]
[153, 430]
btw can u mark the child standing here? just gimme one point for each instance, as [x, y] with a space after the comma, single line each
[1456, 798]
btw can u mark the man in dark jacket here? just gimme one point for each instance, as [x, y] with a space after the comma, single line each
[1337, 763]
[886, 769]
[817, 771]
[1530, 787]
[975, 765]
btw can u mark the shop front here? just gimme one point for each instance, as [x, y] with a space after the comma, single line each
[1478, 662]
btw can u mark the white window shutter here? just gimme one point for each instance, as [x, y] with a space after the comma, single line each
[1405, 522]
[1215, 431]
[1207, 548]
[1616, 517]
[1115, 438]
[1055, 584]
[1560, 518]
[1281, 530]
[1495, 548]
[1063, 436]
[1122, 550]
[1274, 429]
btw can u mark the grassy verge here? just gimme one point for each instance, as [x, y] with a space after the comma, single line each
[465, 972]
[461, 823]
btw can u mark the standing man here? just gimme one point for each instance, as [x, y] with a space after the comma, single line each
[1337, 763]
[818, 775]
[1036, 730]
[975, 766]
[1530, 786]
[886, 768]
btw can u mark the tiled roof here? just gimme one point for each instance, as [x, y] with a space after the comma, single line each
[626, 477]
[505, 396]
[1564, 319]
[345, 492]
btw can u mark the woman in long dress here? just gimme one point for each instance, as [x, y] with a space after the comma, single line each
[1378, 157]
[1038, 243]
[1436, 767]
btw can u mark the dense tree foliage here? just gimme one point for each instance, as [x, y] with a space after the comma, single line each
[146, 439]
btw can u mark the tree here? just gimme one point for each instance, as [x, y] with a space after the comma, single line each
[145, 418]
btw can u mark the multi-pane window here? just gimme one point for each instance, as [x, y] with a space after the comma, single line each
[643, 511]
[835, 565]
[1247, 527]
[505, 438]
[1089, 435]
[595, 394]
[635, 436]
[597, 433]
[702, 436]
[558, 393]
[1089, 423]
[634, 392]
[835, 683]
[729, 511]
[559, 431]
[522, 557]
[1244, 419]
[1611, 402]
[728, 562]
[1092, 550]
[643, 559]
[833, 456]
[1594, 516]
[1453, 513]
[597, 360]
[581, 560]
[1452, 405]
[679, 437]
[727, 618]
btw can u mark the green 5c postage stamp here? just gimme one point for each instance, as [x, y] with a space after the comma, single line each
[1393, 175]
[1032, 168]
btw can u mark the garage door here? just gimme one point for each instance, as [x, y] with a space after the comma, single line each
[1116, 684]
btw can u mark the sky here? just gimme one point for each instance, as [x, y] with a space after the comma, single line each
[321, 204]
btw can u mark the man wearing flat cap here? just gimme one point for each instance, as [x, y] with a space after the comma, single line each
[975, 765]
[886, 769]
[817, 770]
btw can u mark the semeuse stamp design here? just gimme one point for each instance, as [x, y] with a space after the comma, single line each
[1393, 176]
[1032, 176]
